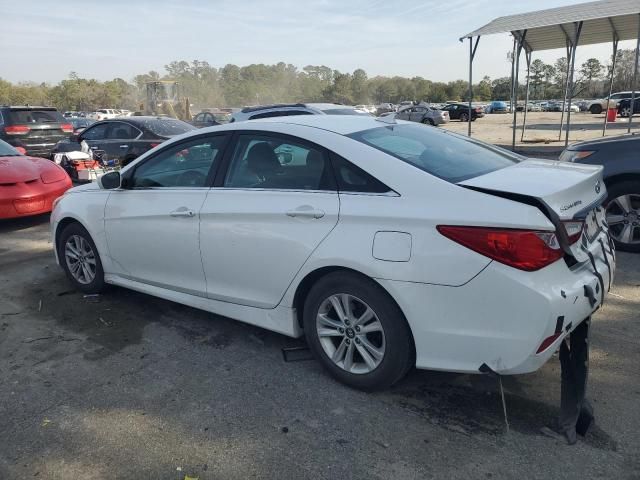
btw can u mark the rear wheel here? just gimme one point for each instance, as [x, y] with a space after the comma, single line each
[625, 112]
[79, 258]
[429, 121]
[464, 117]
[357, 331]
[596, 109]
[623, 215]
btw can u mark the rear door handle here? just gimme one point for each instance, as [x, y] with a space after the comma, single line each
[183, 212]
[124, 146]
[305, 211]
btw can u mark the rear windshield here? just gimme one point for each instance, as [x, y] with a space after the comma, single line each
[35, 116]
[168, 127]
[446, 155]
[345, 111]
[7, 150]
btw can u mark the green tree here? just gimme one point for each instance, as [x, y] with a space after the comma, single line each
[591, 70]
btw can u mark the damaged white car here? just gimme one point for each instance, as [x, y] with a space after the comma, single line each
[387, 244]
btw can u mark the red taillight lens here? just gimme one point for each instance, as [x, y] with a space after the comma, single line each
[16, 130]
[67, 128]
[574, 230]
[546, 343]
[154, 145]
[527, 250]
[21, 150]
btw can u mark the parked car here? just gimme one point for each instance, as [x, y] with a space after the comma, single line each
[624, 106]
[387, 245]
[35, 130]
[460, 111]
[619, 157]
[124, 139]
[28, 185]
[80, 124]
[598, 106]
[497, 106]
[288, 109]
[209, 119]
[104, 114]
[385, 108]
[423, 114]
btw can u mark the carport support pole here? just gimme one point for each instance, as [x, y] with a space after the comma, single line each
[515, 90]
[613, 69]
[526, 102]
[576, 40]
[472, 54]
[635, 76]
[566, 90]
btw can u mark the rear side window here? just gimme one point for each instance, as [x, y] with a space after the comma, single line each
[35, 116]
[351, 178]
[446, 155]
[123, 131]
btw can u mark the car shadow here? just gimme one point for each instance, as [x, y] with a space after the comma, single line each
[22, 223]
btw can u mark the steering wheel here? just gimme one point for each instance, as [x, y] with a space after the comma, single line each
[192, 178]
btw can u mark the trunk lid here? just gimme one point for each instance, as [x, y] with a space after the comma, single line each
[563, 191]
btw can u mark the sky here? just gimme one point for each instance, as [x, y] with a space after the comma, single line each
[44, 40]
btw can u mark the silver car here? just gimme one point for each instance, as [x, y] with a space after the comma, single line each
[423, 114]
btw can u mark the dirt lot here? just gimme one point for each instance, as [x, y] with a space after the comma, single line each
[542, 129]
[127, 386]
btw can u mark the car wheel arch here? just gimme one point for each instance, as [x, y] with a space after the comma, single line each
[64, 223]
[622, 177]
[311, 278]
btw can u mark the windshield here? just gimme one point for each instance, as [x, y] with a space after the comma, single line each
[168, 127]
[446, 155]
[7, 150]
[345, 111]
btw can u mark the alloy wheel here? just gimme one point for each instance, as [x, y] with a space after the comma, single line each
[623, 217]
[350, 333]
[80, 259]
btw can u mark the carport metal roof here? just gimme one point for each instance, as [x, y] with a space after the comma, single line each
[564, 27]
[548, 29]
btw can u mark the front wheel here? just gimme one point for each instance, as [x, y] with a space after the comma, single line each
[357, 331]
[623, 215]
[79, 258]
[429, 121]
[625, 112]
[596, 109]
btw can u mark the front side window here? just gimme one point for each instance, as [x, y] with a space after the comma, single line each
[264, 161]
[98, 132]
[186, 164]
[441, 153]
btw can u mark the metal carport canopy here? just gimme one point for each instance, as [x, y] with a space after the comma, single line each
[549, 29]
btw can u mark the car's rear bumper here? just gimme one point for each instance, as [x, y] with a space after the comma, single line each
[502, 316]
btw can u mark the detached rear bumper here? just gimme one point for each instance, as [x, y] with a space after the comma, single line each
[502, 316]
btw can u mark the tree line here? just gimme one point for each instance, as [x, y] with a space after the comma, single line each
[235, 86]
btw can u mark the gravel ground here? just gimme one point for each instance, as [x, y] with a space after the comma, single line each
[127, 386]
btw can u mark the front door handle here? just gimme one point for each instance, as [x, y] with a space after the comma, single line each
[183, 212]
[124, 146]
[306, 211]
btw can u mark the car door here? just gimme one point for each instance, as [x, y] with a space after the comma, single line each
[404, 114]
[152, 224]
[120, 142]
[417, 113]
[96, 136]
[272, 207]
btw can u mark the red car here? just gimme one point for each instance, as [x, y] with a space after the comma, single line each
[28, 185]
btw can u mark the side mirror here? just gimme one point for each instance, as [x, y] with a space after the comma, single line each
[109, 181]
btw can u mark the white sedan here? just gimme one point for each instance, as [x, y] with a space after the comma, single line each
[387, 244]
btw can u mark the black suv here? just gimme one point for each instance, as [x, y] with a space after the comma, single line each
[36, 130]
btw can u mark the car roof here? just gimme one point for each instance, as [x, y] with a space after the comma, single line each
[341, 124]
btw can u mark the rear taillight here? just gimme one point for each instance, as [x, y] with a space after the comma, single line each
[21, 150]
[67, 128]
[574, 230]
[527, 250]
[154, 145]
[16, 130]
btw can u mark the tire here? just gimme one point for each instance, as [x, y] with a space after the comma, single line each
[428, 121]
[625, 112]
[596, 109]
[464, 117]
[620, 195]
[390, 335]
[76, 237]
